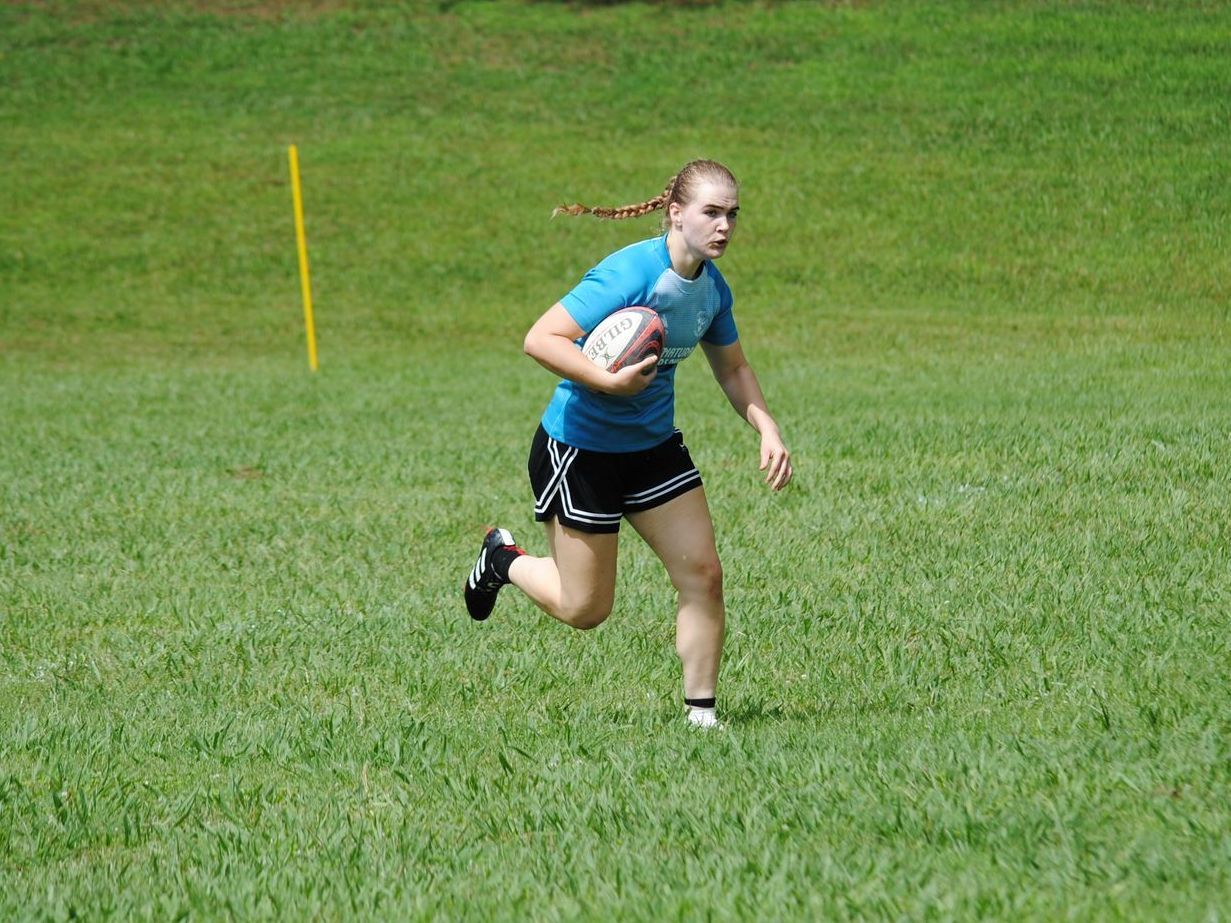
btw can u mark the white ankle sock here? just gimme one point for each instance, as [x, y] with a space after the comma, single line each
[703, 717]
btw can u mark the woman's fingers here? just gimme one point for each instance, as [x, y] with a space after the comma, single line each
[776, 463]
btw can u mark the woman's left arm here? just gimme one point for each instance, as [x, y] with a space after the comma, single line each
[739, 384]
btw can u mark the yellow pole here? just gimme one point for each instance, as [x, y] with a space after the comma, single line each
[302, 240]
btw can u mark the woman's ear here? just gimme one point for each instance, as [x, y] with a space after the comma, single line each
[675, 215]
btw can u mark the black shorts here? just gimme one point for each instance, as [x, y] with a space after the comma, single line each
[592, 491]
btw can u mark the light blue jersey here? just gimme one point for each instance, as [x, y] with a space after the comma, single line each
[692, 310]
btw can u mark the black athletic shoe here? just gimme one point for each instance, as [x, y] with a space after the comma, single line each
[484, 582]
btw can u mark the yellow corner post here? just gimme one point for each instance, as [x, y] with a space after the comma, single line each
[302, 240]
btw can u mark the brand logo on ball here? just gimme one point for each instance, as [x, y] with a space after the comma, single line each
[625, 338]
[606, 342]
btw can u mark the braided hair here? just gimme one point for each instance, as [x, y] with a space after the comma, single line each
[680, 188]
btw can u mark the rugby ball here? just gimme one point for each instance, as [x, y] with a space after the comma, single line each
[625, 338]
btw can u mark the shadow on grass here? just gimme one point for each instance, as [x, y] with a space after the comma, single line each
[669, 3]
[758, 711]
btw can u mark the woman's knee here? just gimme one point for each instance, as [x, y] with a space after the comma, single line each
[586, 614]
[701, 577]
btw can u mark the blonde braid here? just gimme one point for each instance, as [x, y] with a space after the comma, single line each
[623, 211]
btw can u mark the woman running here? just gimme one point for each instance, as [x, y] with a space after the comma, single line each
[607, 448]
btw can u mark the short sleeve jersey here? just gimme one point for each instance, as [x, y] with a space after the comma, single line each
[693, 311]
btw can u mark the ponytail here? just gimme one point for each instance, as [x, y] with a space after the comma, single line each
[680, 188]
[623, 211]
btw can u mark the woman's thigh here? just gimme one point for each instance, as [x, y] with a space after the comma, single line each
[587, 566]
[681, 533]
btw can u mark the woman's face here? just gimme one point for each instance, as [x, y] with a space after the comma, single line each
[708, 221]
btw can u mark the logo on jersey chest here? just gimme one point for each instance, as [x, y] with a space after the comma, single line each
[675, 355]
[704, 317]
[687, 316]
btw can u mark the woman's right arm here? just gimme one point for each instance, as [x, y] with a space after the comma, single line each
[551, 343]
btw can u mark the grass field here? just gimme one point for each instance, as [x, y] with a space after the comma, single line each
[978, 654]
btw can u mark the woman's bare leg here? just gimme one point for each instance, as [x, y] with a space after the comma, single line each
[577, 583]
[681, 533]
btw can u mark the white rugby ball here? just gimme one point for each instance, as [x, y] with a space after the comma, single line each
[625, 338]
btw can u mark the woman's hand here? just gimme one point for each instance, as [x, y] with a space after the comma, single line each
[632, 379]
[739, 383]
[552, 343]
[775, 460]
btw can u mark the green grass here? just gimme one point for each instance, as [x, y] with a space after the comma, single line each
[977, 659]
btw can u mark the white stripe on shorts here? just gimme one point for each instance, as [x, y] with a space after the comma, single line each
[598, 519]
[560, 467]
[558, 484]
[665, 487]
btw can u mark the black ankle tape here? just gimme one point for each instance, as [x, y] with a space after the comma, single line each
[700, 703]
[502, 558]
